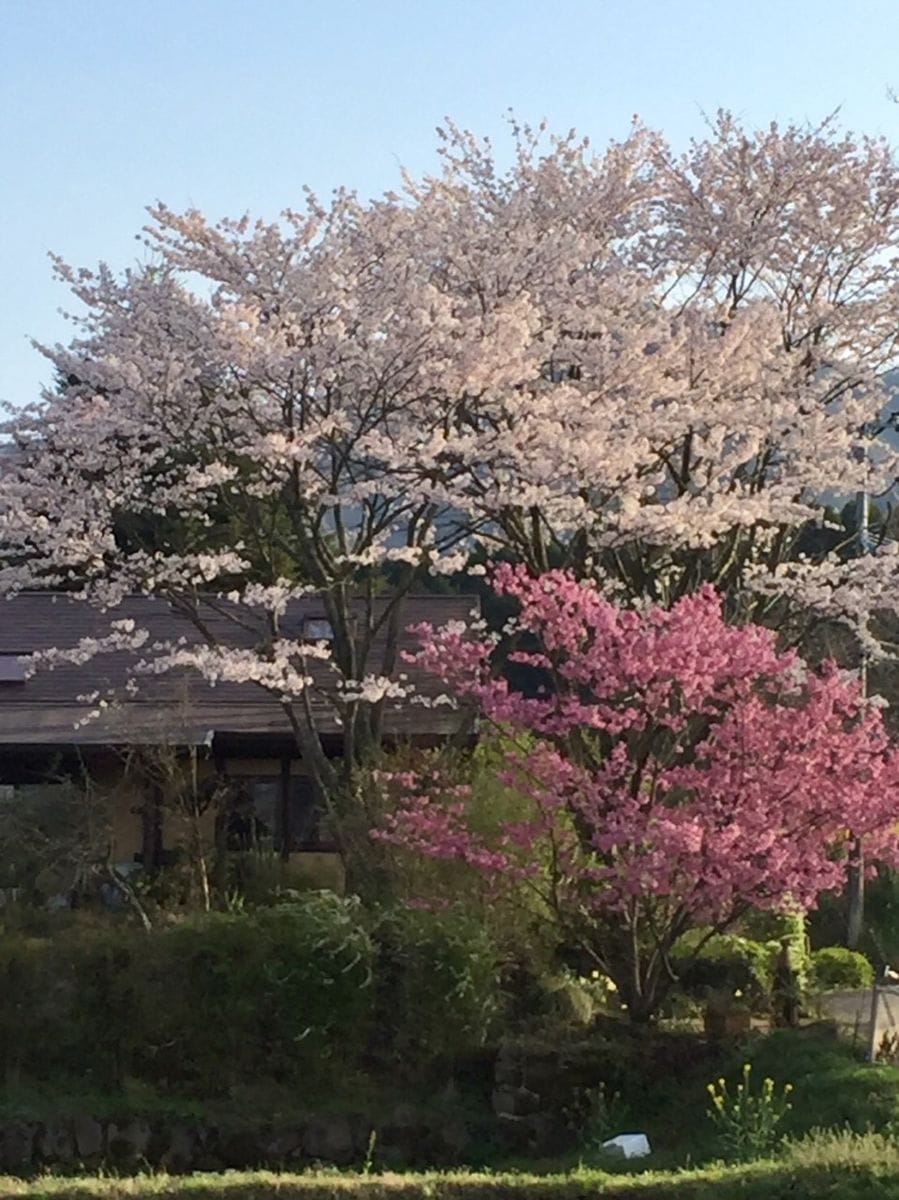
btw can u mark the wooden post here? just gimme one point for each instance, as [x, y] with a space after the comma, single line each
[286, 830]
[151, 819]
[856, 891]
[872, 1040]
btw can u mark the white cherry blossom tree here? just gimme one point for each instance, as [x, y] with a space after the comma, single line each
[643, 366]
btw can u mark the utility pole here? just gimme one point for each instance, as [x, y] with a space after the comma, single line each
[856, 885]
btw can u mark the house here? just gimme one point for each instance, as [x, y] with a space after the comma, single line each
[85, 721]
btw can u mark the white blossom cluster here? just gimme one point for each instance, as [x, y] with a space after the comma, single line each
[646, 365]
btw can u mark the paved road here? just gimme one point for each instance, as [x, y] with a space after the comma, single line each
[846, 1008]
[852, 1011]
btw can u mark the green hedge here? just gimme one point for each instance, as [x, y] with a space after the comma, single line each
[295, 993]
[278, 993]
[836, 967]
[437, 980]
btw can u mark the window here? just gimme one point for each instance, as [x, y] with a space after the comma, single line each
[317, 629]
[560, 372]
[12, 667]
[262, 814]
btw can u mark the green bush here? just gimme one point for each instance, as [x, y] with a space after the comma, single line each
[99, 979]
[438, 988]
[204, 977]
[836, 967]
[212, 1001]
[24, 983]
[317, 973]
[726, 963]
[273, 993]
[68, 1004]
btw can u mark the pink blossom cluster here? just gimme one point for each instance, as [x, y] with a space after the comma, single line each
[672, 759]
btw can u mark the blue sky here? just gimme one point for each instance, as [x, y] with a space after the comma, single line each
[231, 105]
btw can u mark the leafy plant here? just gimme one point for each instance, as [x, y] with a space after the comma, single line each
[597, 1114]
[888, 1052]
[835, 967]
[748, 1123]
[437, 984]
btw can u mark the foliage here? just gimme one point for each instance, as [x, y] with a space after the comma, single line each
[300, 991]
[788, 925]
[833, 1087]
[527, 945]
[748, 1123]
[437, 985]
[597, 1114]
[679, 771]
[880, 936]
[835, 967]
[22, 982]
[725, 962]
[55, 839]
[291, 989]
[215, 999]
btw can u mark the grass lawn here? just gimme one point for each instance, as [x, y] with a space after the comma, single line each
[840, 1166]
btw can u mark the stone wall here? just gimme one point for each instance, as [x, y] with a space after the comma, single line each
[532, 1109]
[177, 1145]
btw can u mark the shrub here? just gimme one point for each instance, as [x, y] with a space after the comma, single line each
[203, 976]
[212, 1001]
[726, 963]
[24, 980]
[316, 1000]
[98, 974]
[438, 990]
[272, 993]
[835, 967]
[834, 1087]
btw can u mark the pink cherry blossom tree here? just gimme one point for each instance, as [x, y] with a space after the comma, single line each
[644, 365]
[678, 770]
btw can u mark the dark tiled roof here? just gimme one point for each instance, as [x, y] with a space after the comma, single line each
[50, 707]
